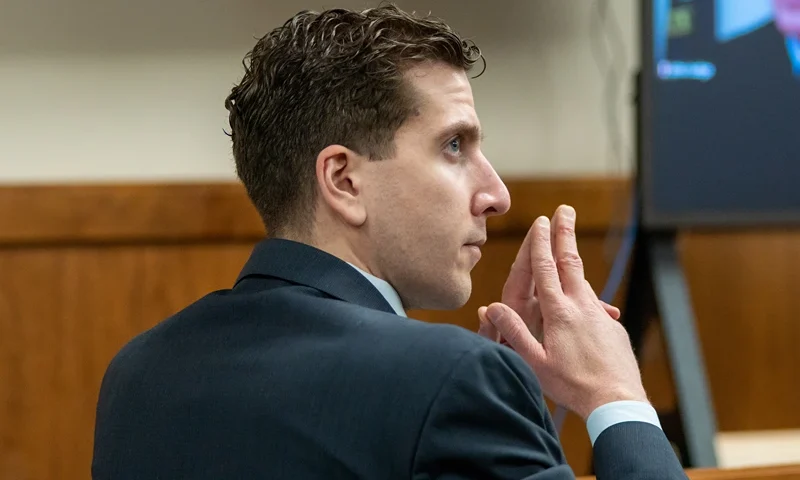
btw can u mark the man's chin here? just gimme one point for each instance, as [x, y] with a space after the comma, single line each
[459, 296]
[454, 296]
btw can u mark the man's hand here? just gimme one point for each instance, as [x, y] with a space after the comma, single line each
[581, 355]
[519, 293]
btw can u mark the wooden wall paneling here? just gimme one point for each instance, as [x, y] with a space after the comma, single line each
[745, 290]
[598, 202]
[64, 313]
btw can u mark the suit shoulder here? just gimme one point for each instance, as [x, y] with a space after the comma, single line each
[454, 351]
[427, 340]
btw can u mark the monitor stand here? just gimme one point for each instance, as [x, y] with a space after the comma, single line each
[657, 288]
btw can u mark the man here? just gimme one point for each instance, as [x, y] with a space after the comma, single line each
[356, 136]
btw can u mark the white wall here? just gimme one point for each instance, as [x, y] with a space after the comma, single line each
[119, 90]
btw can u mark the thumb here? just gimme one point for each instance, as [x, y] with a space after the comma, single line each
[514, 330]
[486, 328]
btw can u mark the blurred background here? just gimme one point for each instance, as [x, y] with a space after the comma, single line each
[147, 81]
[119, 203]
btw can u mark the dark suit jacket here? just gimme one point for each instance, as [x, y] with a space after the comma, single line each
[302, 371]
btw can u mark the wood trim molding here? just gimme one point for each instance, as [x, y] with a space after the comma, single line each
[599, 201]
[782, 472]
[78, 214]
[126, 213]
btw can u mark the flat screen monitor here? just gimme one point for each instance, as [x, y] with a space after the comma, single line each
[719, 119]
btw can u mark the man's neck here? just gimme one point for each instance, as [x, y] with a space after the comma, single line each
[343, 250]
[386, 290]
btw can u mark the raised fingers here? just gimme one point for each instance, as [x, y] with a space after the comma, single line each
[565, 251]
[545, 273]
[519, 286]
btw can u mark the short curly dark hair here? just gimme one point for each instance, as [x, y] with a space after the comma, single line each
[334, 77]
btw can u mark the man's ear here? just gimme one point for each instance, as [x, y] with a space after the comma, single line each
[340, 173]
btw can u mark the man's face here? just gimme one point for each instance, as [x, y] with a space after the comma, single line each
[787, 17]
[428, 203]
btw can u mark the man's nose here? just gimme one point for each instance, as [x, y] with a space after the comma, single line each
[493, 198]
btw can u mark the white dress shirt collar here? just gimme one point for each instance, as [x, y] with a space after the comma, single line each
[386, 290]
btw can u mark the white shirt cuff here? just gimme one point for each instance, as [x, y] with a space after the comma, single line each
[613, 413]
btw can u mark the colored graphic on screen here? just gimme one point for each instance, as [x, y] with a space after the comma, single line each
[732, 19]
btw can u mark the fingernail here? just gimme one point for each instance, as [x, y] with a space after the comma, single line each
[568, 211]
[543, 221]
[494, 312]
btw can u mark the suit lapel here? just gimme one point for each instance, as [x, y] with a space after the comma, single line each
[305, 265]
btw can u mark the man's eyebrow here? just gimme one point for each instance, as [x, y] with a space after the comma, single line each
[464, 128]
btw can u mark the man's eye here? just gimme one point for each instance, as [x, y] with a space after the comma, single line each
[454, 146]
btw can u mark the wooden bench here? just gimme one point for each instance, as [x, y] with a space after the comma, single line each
[788, 472]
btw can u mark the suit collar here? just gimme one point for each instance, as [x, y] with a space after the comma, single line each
[305, 265]
[386, 289]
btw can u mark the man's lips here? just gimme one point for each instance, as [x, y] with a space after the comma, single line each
[477, 243]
